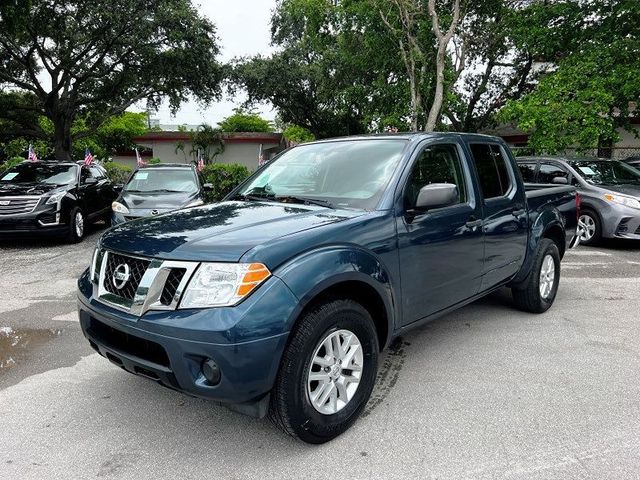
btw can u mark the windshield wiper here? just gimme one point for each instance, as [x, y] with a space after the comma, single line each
[254, 197]
[305, 200]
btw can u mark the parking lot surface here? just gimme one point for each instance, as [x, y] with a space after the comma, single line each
[485, 392]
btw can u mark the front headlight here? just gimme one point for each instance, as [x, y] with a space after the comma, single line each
[623, 200]
[223, 284]
[55, 198]
[119, 208]
[195, 203]
[94, 261]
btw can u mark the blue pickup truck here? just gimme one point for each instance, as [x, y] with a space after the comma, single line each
[280, 299]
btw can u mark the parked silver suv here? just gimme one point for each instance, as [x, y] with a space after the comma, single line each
[610, 192]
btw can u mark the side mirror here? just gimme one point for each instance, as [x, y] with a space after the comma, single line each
[118, 187]
[560, 180]
[437, 195]
[207, 187]
[90, 181]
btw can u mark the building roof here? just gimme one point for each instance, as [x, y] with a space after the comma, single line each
[240, 137]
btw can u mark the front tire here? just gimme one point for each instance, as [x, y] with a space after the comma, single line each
[77, 226]
[590, 227]
[327, 372]
[538, 292]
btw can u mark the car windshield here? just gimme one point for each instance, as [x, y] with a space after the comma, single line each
[50, 174]
[606, 172]
[344, 174]
[171, 180]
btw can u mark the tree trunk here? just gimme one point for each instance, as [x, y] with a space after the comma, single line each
[62, 137]
[605, 147]
[438, 96]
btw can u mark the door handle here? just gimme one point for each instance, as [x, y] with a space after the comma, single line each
[474, 223]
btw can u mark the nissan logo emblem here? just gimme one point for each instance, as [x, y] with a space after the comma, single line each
[121, 276]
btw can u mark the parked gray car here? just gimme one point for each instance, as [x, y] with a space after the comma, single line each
[610, 192]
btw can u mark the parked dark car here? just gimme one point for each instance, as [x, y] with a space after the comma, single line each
[280, 298]
[156, 189]
[53, 198]
[610, 192]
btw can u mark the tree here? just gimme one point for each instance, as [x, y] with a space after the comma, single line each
[594, 87]
[245, 121]
[99, 60]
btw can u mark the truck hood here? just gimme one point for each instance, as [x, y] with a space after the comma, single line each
[221, 232]
[27, 189]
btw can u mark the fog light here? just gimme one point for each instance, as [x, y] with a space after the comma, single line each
[211, 371]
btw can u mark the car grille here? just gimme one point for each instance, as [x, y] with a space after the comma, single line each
[171, 285]
[17, 205]
[164, 281]
[136, 269]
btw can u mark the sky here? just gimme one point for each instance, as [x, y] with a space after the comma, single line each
[243, 29]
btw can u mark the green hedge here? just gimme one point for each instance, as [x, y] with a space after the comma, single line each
[118, 173]
[224, 178]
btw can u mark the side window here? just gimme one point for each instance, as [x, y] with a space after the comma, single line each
[85, 174]
[96, 172]
[528, 171]
[435, 164]
[549, 171]
[492, 170]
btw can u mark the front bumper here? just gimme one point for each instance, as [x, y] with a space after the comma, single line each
[45, 219]
[169, 347]
[620, 221]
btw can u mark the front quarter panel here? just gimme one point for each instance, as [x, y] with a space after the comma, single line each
[317, 270]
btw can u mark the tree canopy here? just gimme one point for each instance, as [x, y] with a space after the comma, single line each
[93, 59]
[245, 121]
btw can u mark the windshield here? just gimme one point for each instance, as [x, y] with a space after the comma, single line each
[50, 174]
[349, 174]
[606, 172]
[172, 180]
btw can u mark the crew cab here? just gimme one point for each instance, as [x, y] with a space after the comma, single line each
[279, 299]
[156, 189]
[53, 198]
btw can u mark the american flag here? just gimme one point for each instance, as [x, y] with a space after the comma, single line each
[139, 160]
[32, 154]
[261, 158]
[88, 158]
[200, 161]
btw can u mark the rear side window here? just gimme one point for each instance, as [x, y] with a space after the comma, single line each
[492, 170]
[528, 171]
[549, 171]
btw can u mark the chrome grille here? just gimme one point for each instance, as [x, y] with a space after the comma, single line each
[151, 284]
[171, 285]
[17, 205]
[136, 268]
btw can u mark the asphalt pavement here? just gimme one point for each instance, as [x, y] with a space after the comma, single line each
[486, 392]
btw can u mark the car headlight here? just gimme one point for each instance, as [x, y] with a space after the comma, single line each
[119, 208]
[623, 200]
[94, 261]
[195, 203]
[223, 284]
[55, 198]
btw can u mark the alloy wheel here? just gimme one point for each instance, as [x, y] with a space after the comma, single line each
[547, 276]
[587, 226]
[79, 221]
[335, 372]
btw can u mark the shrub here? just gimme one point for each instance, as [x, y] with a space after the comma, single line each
[297, 134]
[245, 121]
[224, 178]
[12, 162]
[118, 173]
[154, 161]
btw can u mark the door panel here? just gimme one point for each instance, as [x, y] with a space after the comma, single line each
[440, 251]
[505, 214]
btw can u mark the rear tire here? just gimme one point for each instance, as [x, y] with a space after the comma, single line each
[297, 406]
[77, 226]
[538, 292]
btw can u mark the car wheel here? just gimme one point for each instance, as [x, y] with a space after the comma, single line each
[77, 225]
[327, 372]
[590, 227]
[537, 293]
